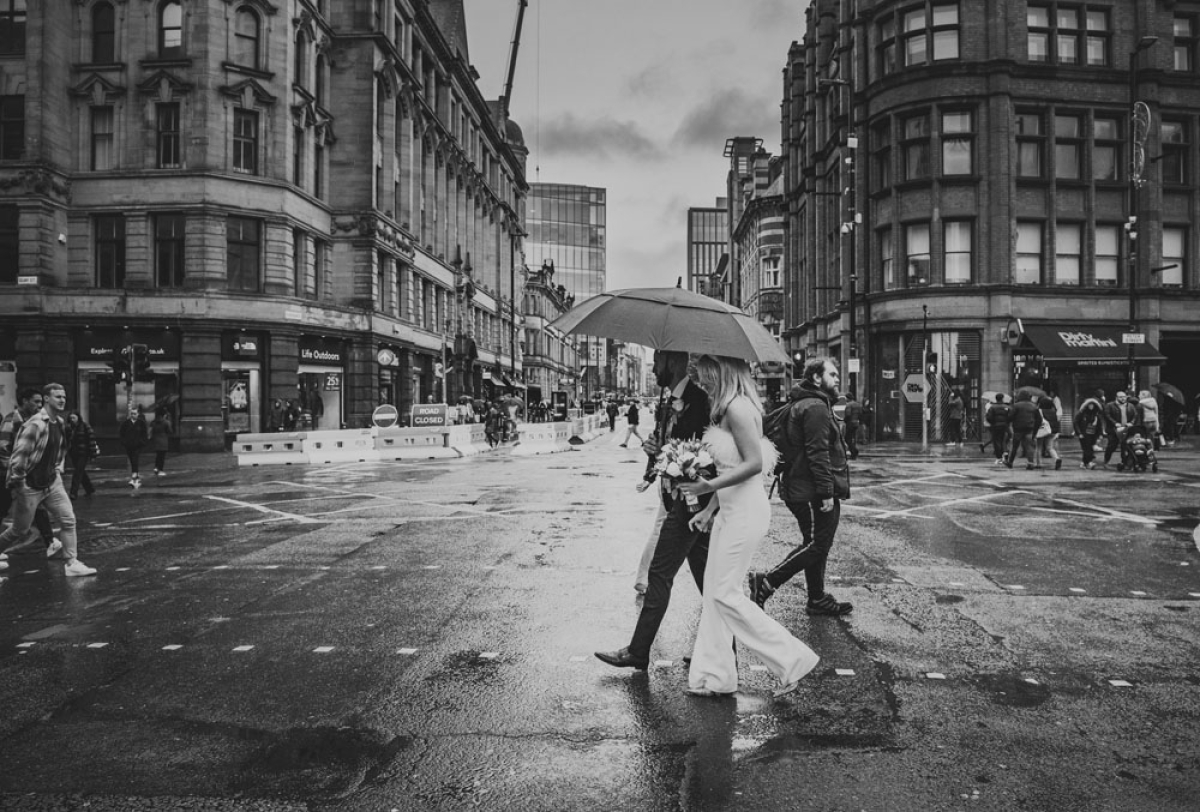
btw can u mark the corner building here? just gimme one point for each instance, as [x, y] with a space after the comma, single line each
[285, 200]
[962, 182]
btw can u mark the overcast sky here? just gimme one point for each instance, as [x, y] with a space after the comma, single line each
[638, 97]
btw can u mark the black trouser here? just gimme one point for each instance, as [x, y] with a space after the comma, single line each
[1112, 446]
[1023, 439]
[1087, 444]
[160, 460]
[132, 454]
[852, 439]
[999, 434]
[955, 430]
[79, 476]
[817, 528]
[676, 543]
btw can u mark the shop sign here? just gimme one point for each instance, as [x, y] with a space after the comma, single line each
[316, 350]
[163, 345]
[888, 374]
[430, 414]
[241, 346]
[386, 357]
[914, 388]
[333, 381]
[1133, 338]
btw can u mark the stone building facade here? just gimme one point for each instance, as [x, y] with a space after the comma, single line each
[284, 200]
[962, 178]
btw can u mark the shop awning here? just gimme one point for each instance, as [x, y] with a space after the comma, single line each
[1086, 346]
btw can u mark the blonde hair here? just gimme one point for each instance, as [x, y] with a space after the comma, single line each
[725, 379]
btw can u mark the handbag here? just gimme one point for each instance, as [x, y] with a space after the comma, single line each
[1043, 430]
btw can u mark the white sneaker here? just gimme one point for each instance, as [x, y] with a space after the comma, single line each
[3, 565]
[137, 483]
[54, 549]
[3, 557]
[160, 473]
[76, 568]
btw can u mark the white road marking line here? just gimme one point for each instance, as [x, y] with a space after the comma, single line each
[489, 655]
[322, 649]
[96, 645]
[1015, 587]
[263, 509]
[662, 663]
[1076, 590]
[1137, 593]
[172, 647]
[407, 651]
[844, 672]
[242, 648]
[26, 645]
[1116, 514]
[979, 498]
[895, 482]
[935, 675]
[1120, 683]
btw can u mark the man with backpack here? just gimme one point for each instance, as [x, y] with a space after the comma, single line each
[998, 417]
[815, 477]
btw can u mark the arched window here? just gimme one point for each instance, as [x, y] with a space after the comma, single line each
[170, 30]
[300, 68]
[245, 38]
[319, 81]
[104, 34]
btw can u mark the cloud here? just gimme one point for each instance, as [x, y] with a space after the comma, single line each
[602, 137]
[653, 81]
[726, 114]
[771, 15]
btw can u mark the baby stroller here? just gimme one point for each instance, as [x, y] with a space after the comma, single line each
[1137, 451]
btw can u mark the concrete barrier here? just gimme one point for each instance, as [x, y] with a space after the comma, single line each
[342, 445]
[542, 438]
[271, 449]
[468, 439]
[413, 444]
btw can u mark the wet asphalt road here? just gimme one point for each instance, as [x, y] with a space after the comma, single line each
[420, 636]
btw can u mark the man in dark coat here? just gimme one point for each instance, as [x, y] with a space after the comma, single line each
[677, 542]
[1026, 419]
[812, 487]
[998, 417]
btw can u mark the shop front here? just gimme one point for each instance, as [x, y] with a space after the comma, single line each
[320, 379]
[914, 377]
[241, 383]
[1073, 362]
[103, 400]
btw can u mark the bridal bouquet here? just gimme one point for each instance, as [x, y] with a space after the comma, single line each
[685, 461]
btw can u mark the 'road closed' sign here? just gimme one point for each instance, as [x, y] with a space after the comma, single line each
[914, 388]
[430, 414]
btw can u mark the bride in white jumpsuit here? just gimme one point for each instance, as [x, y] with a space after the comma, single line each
[742, 454]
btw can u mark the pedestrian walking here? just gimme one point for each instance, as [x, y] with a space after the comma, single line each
[161, 430]
[81, 449]
[1026, 420]
[998, 418]
[853, 418]
[34, 477]
[1119, 415]
[29, 402]
[813, 487]
[954, 419]
[1148, 417]
[632, 419]
[1089, 424]
[678, 541]
[612, 411]
[737, 446]
[133, 436]
[1047, 434]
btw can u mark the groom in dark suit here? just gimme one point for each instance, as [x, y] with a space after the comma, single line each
[687, 418]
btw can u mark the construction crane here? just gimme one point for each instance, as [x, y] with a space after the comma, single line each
[512, 58]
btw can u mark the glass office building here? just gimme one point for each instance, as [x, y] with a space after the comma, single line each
[566, 226]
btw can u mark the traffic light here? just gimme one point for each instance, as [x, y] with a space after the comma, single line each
[439, 370]
[931, 363]
[797, 364]
[120, 363]
[141, 363]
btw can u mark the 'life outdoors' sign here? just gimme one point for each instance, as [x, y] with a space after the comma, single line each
[430, 414]
[914, 388]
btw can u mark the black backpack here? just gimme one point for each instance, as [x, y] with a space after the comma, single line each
[775, 425]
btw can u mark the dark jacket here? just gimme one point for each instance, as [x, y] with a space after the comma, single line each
[1089, 420]
[820, 470]
[160, 433]
[81, 442]
[998, 415]
[854, 411]
[1112, 415]
[1025, 416]
[133, 433]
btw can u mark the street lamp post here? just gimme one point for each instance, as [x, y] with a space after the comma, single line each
[925, 375]
[1137, 162]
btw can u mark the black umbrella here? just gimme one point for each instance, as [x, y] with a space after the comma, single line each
[1035, 393]
[162, 403]
[1171, 391]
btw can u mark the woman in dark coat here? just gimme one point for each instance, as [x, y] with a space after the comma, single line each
[160, 437]
[133, 436]
[81, 449]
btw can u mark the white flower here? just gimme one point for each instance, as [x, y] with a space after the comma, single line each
[704, 459]
[674, 470]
